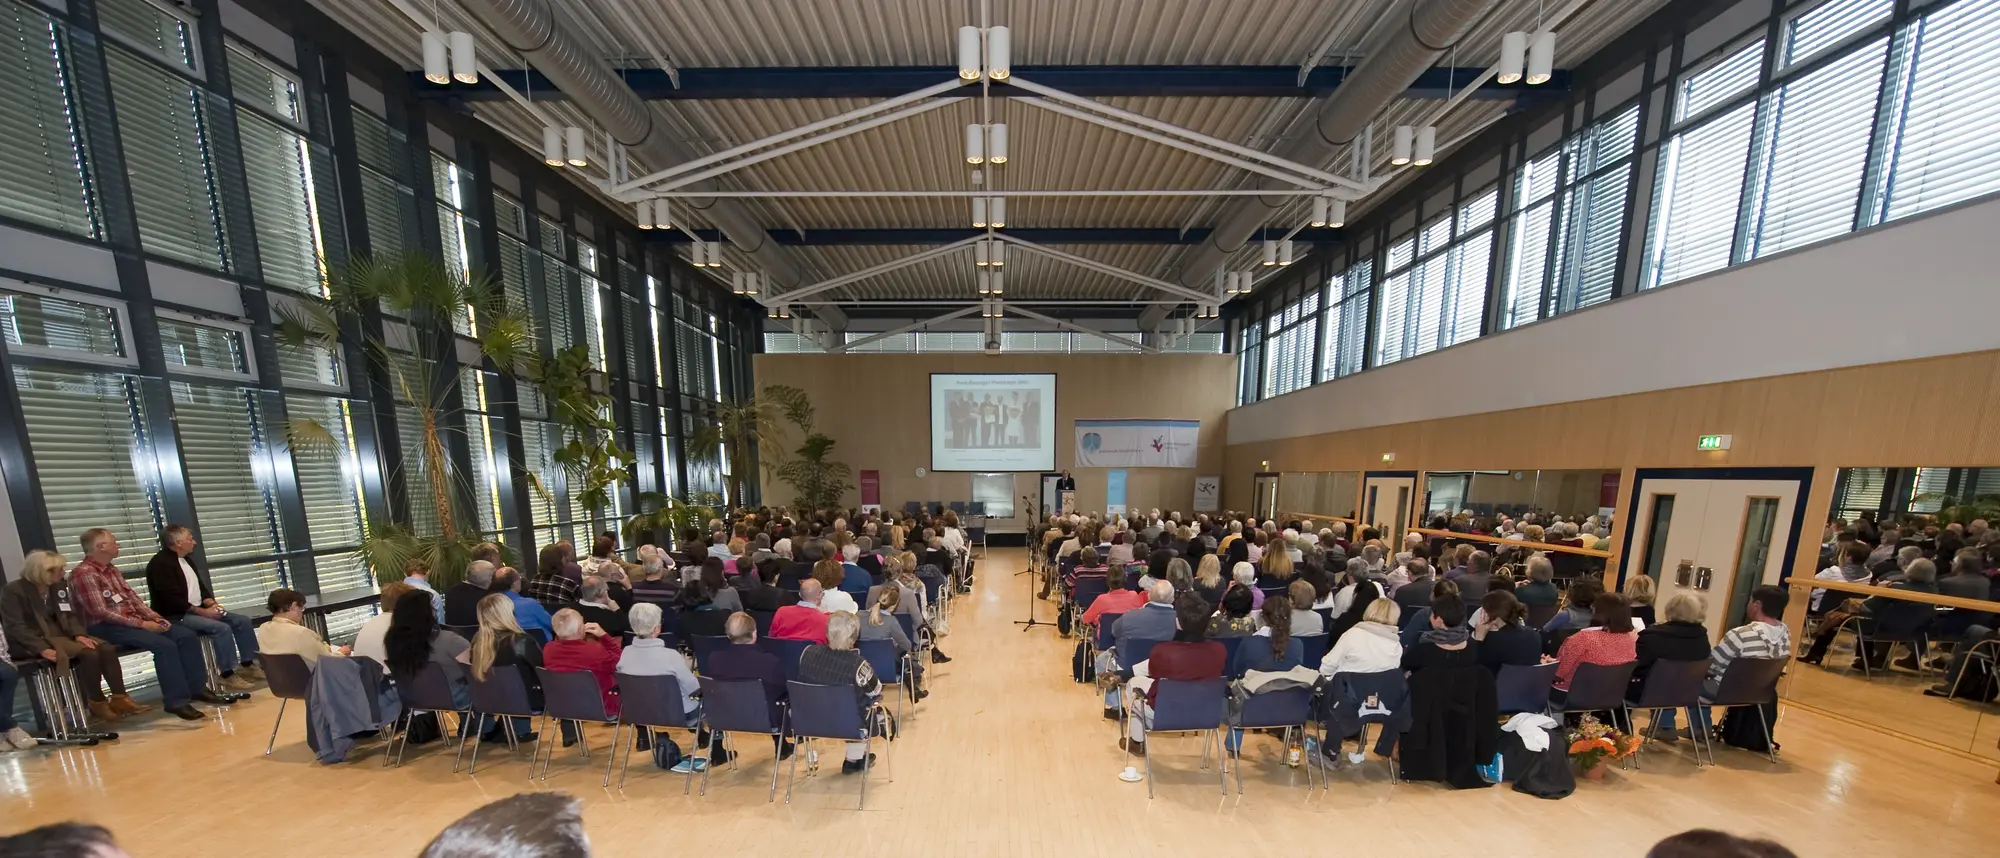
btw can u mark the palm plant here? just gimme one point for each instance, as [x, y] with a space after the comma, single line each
[740, 430]
[422, 289]
[818, 479]
[663, 514]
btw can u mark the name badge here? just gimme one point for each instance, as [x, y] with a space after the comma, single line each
[115, 598]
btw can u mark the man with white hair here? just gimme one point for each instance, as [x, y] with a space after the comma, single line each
[461, 602]
[1246, 575]
[804, 621]
[649, 655]
[1153, 621]
[1339, 533]
[593, 603]
[1306, 533]
[854, 580]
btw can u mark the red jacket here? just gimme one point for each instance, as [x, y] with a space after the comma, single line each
[1115, 602]
[799, 623]
[1190, 661]
[599, 657]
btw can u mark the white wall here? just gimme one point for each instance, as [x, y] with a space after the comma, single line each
[1917, 288]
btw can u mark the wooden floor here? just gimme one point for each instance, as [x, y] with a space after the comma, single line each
[1007, 758]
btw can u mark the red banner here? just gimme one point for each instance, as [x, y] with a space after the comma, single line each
[1607, 491]
[871, 488]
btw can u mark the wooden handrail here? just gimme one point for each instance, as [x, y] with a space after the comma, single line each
[1497, 540]
[1797, 583]
[1313, 516]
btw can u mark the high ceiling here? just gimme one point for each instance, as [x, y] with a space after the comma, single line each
[1048, 151]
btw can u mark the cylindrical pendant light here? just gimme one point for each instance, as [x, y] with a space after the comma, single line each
[999, 43]
[999, 253]
[968, 53]
[552, 146]
[1285, 252]
[1513, 57]
[644, 210]
[715, 254]
[979, 279]
[573, 147]
[1405, 138]
[982, 255]
[998, 212]
[1244, 281]
[736, 283]
[1426, 146]
[996, 143]
[975, 145]
[978, 212]
[755, 283]
[1222, 281]
[464, 61]
[437, 63]
[998, 281]
[663, 214]
[1319, 211]
[1336, 213]
[1541, 57]
[1270, 252]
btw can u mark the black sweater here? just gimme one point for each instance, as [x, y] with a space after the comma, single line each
[1670, 641]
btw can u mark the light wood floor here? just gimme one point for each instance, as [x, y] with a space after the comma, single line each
[1007, 758]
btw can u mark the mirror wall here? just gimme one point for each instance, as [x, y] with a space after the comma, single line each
[1572, 494]
[1322, 494]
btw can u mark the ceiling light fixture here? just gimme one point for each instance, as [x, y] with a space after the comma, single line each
[663, 214]
[1336, 213]
[464, 60]
[978, 212]
[437, 65]
[552, 146]
[996, 143]
[756, 283]
[998, 254]
[1285, 252]
[645, 214]
[1270, 252]
[975, 145]
[968, 53]
[1399, 153]
[982, 256]
[1222, 281]
[997, 279]
[998, 210]
[999, 43]
[736, 284]
[1245, 281]
[1541, 57]
[1513, 57]
[1319, 211]
[1426, 149]
[574, 147]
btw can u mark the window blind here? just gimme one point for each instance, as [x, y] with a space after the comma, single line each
[537, 442]
[1948, 145]
[514, 277]
[1464, 301]
[162, 126]
[203, 347]
[1828, 24]
[1861, 489]
[255, 82]
[594, 318]
[330, 480]
[223, 451]
[85, 433]
[1527, 266]
[1593, 229]
[310, 366]
[1347, 321]
[1928, 489]
[1814, 147]
[1694, 211]
[479, 432]
[1720, 82]
[416, 479]
[41, 155]
[150, 28]
[279, 175]
[48, 322]
[384, 201]
[378, 145]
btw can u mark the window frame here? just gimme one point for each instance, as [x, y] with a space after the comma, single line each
[128, 359]
[248, 375]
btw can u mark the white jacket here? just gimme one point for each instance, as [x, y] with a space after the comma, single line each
[1366, 648]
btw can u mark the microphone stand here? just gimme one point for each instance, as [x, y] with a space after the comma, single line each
[1034, 553]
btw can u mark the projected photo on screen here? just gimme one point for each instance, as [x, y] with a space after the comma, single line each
[993, 422]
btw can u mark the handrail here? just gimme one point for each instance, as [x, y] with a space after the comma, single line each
[1313, 516]
[1498, 540]
[1797, 583]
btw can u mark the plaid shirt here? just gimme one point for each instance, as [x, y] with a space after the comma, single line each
[553, 591]
[103, 596]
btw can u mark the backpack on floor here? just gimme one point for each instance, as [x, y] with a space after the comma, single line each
[1065, 619]
[1740, 728]
[423, 729]
[1082, 668]
[666, 754]
[1976, 682]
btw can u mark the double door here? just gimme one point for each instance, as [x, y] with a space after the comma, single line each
[1715, 538]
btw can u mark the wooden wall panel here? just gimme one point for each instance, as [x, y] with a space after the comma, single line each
[877, 407]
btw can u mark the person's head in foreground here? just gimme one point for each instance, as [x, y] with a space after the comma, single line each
[62, 840]
[1709, 843]
[530, 825]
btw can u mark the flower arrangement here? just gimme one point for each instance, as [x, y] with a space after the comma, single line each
[1594, 743]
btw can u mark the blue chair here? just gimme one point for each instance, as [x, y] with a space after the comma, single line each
[1229, 648]
[1521, 688]
[909, 624]
[1104, 623]
[1290, 708]
[704, 646]
[1188, 707]
[738, 706]
[1316, 647]
[503, 694]
[1325, 617]
[1087, 591]
[763, 620]
[788, 653]
[889, 664]
[831, 712]
[1601, 688]
[650, 703]
[429, 691]
[1131, 651]
[573, 696]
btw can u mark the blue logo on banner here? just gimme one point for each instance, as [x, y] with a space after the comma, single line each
[1091, 442]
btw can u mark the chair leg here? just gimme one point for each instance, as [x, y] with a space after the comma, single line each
[714, 736]
[783, 728]
[1632, 761]
[866, 745]
[1143, 739]
[688, 782]
[541, 735]
[1239, 767]
[630, 745]
[582, 740]
[274, 726]
[1770, 751]
[792, 774]
[505, 725]
[465, 722]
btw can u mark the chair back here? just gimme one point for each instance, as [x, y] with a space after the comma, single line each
[1390, 682]
[1524, 688]
[1181, 705]
[1673, 684]
[1104, 623]
[1088, 589]
[1131, 651]
[883, 656]
[932, 586]
[704, 645]
[735, 706]
[1325, 617]
[651, 701]
[1270, 590]
[1749, 682]
[1288, 708]
[572, 695]
[909, 624]
[788, 653]
[1229, 648]
[763, 620]
[504, 691]
[1540, 615]
[429, 690]
[1316, 647]
[289, 675]
[462, 631]
[826, 711]
[1599, 686]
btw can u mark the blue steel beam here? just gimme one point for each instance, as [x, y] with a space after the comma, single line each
[947, 235]
[889, 81]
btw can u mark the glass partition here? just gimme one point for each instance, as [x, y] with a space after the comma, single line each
[1571, 494]
[1318, 495]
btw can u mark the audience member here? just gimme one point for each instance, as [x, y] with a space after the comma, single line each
[1681, 638]
[836, 662]
[1446, 642]
[594, 604]
[649, 655]
[1503, 635]
[804, 621]
[1638, 592]
[1478, 578]
[743, 660]
[603, 556]
[1306, 622]
[501, 643]
[115, 614]
[414, 642]
[1577, 611]
[369, 639]
[585, 646]
[1608, 640]
[1882, 615]
[529, 613]
[1708, 843]
[1370, 645]
[1540, 590]
[1234, 620]
[417, 574]
[37, 613]
[529, 825]
[551, 586]
[1189, 656]
[63, 840]
[181, 595]
[1283, 652]
[461, 602]
[285, 633]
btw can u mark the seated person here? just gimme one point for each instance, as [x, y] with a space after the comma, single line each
[1234, 620]
[1088, 565]
[1638, 592]
[743, 660]
[879, 623]
[461, 602]
[1445, 639]
[594, 604]
[1370, 646]
[1763, 636]
[1189, 656]
[1853, 569]
[650, 656]
[1503, 635]
[180, 595]
[700, 615]
[502, 644]
[803, 621]
[1881, 615]
[414, 641]
[551, 585]
[854, 580]
[114, 613]
[1682, 637]
[1577, 611]
[582, 646]
[724, 595]
[1306, 622]
[1610, 639]
[1282, 652]
[658, 584]
[529, 613]
[1243, 574]
[1118, 600]
[837, 662]
[830, 574]
[756, 590]
[285, 633]
[38, 620]
[1540, 591]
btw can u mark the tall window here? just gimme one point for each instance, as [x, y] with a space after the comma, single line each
[1288, 353]
[453, 188]
[1701, 170]
[1346, 324]
[1250, 363]
[42, 177]
[329, 477]
[277, 169]
[387, 201]
[1564, 239]
[1435, 292]
[1947, 136]
[163, 127]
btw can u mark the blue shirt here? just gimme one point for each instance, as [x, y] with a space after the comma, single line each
[437, 601]
[855, 580]
[531, 615]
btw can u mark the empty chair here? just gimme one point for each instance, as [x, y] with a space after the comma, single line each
[650, 703]
[430, 691]
[1750, 682]
[503, 694]
[738, 706]
[1540, 615]
[1316, 647]
[1290, 708]
[704, 645]
[788, 653]
[1601, 688]
[1521, 688]
[573, 696]
[1187, 707]
[830, 712]
[1671, 685]
[289, 678]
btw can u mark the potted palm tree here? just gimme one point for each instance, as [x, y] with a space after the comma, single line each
[750, 431]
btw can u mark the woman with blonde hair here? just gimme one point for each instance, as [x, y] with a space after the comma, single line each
[1208, 583]
[41, 622]
[501, 643]
[1277, 568]
[1638, 592]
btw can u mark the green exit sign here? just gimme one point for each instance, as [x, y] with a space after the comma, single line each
[1712, 442]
